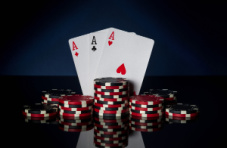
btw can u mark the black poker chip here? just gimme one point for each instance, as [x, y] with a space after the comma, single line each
[109, 81]
[109, 102]
[56, 93]
[111, 90]
[39, 108]
[181, 108]
[165, 93]
[123, 116]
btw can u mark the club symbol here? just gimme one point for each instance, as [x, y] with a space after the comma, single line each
[93, 48]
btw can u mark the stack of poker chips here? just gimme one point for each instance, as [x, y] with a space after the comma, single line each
[181, 113]
[111, 97]
[39, 111]
[145, 113]
[52, 96]
[77, 124]
[75, 106]
[110, 132]
[168, 95]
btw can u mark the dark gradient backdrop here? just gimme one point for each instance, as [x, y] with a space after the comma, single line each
[190, 39]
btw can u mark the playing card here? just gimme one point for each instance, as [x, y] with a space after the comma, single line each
[125, 55]
[79, 48]
[96, 43]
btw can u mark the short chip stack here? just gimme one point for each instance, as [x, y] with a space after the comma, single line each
[168, 95]
[111, 97]
[39, 110]
[52, 96]
[75, 106]
[76, 124]
[181, 113]
[145, 113]
[111, 132]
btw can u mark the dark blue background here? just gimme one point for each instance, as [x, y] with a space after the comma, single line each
[190, 39]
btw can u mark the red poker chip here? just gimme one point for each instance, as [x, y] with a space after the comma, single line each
[145, 109]
[146, 115]
[39, 115]
[76, 100]
[75, 109]
[181, 115]
[146, 99]
[111, 106]
[110, 112]
[75, 115]
[110, 87]
[144, 118]
[75, 118]
[111, 93]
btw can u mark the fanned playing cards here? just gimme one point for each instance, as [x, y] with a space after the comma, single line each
[110, 53]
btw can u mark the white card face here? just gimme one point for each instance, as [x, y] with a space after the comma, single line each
[80, 48]
[96, 44]
[125, 55]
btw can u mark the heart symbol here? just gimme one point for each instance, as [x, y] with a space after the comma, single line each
[121, 69]
[110, 42]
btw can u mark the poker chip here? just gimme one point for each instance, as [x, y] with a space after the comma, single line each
[109, 81]
[76, 127]
[111, 96]
[144, 124]
[110, 109]
[96, 131]
[75, 115]
[83, 128]
[76, 106]
[182, 115]
[75, 109]
[50, 102]
[111, 87]
[110, 115]
[145, 109]
[111, 99]
[75, 124]
[110, 138]
[144, 130]
[145, 100]
[165, 93]
[145, 119]
[182, 121]
[110, 106]
[39, 115]
[76, 100]
[75, 112]
[56, 93]
[110, 112]
[146, 115]
[110, 126]
[41, 120]
[110, 123]
[111, 93]
[145, 106]
[110, 90]
[146, 112]
[39, 108]
[118, 119]
[75, 120]
[110, 130]
[181, 108]
[111, 103]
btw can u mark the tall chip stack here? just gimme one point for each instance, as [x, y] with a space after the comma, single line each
[145, 113]
[111, 112]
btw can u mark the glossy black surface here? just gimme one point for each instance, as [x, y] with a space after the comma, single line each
[209, 93]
